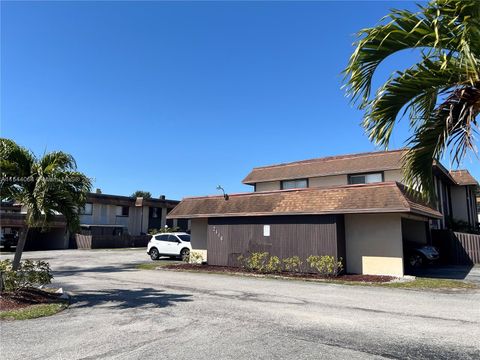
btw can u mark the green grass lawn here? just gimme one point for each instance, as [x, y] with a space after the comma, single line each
[155, 264]
[430, 283]
[33, 311]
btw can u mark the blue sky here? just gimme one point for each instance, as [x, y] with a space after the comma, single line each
[178, 97]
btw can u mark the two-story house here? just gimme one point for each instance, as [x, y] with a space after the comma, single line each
[12, 220]
[351, 206]
[105, 214]
[102, 214]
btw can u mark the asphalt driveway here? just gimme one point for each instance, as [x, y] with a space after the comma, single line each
[119, 312]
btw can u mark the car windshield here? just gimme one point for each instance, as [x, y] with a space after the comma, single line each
[184, 237]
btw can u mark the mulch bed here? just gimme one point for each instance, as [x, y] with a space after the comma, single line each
[26, 297]
[232, 270]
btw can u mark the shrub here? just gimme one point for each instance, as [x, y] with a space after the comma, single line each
[154, 231]
[292, 264]
[169, 229]
[273, 265]
[194, 258]
[257, 261]
[325, 265]
[31, 273]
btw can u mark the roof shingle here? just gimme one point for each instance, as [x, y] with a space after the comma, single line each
[333, 165]
[369, 198]
[463, 177]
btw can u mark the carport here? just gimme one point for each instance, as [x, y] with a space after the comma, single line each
[415, 233]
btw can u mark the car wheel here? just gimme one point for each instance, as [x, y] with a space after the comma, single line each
[415, 261]
[184, 254]
[154, 254]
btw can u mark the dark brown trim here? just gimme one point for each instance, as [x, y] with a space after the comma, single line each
[332, 212]
[128, 201]
[468, 205]
[449, 189]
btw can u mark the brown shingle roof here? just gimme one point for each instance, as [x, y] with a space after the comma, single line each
[333, 165]
[463, 177]
[367, 198]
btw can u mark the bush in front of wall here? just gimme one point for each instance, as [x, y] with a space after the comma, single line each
[273, 265]
[194, 258]
[325, 265]
[256, 261]
[30, 274]
[292, 264]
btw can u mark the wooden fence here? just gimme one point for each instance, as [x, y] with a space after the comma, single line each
[457, 248]
[110, 241]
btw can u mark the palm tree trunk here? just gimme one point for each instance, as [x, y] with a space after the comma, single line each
[19, 249]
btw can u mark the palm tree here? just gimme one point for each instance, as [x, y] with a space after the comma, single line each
[440, 93]
[46, 186]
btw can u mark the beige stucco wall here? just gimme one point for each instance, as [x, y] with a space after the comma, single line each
[393, 175]
[328, 181]
[268, 186]
[331, 180]
[374, 244]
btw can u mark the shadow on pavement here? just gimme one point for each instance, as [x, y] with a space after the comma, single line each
[73, 270]
[444, 272]
[128, 299]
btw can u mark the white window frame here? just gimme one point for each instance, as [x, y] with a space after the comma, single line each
[294, 184]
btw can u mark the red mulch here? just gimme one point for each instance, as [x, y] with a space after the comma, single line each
[26, 297]
[227, 269]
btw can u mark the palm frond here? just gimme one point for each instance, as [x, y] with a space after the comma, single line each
[415, 90]
[442, 27]
[439, 93]
[452, 125]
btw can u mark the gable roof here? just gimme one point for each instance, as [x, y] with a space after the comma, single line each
[463, 177]
[332, 165]
[387, 197]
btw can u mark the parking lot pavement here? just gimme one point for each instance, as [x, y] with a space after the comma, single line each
[119, 312]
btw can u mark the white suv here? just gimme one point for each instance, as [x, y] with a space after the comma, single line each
[175, 244]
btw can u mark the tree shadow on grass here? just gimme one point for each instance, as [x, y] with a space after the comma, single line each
[128, 299]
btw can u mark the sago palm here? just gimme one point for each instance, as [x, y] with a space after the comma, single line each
[46, 186]
[440, 93]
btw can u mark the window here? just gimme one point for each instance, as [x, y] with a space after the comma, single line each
[162, 237]
[184, 237]
[172, 238]
[294, 184]
[87, 209]
[155, 212]
[365, 178]
[122, 210]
